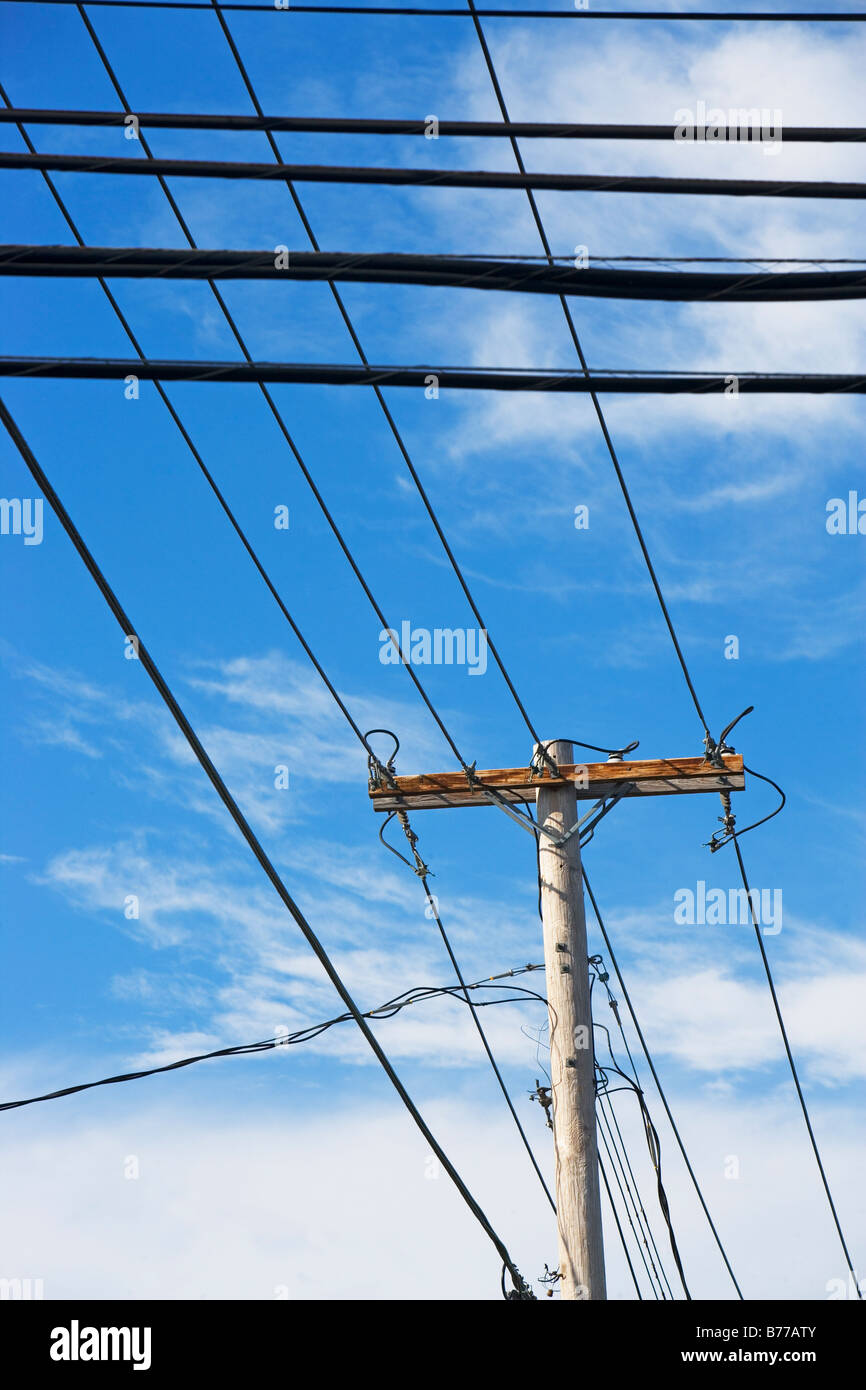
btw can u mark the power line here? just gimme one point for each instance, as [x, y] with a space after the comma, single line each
[600, 975]
[398, 268]
[422, 12]
[429, 178]
[654, 1147]
[237, 815]
[784, 1032]
[487, 1048]
[453, 378]
[422, 871]
[358, 125]
[642, 1248]
[601, 1169]
[613, 1124]
[682, 1148]
[314, 1030]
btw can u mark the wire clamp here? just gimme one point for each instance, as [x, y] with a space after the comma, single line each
[551, 1277]
[545, 1100]
[542, 762]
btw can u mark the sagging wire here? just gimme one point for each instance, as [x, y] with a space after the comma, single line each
[722, 837]
[420, 993]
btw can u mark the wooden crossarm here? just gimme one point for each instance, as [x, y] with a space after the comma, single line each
[593, 781]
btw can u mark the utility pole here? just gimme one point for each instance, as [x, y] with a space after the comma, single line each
[572, 1059]
[555, 784]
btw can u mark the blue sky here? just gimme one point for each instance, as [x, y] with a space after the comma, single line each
[298, 1158]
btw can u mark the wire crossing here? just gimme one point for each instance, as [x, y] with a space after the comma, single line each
[363, 739]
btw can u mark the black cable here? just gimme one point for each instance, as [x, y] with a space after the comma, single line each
[248, 833]
[602, 977]
[570, 381]
[431, 270]
[784, 1032]
[612, 1120]
[663, 1097]
[429, 178]
[353, 125]
[654, 1146]
[726, 837]
[536, 215]
[417, 11]
[601, 1169]
[483, 1036]
[314, 1030]
[642, 1247]
[604, 1093]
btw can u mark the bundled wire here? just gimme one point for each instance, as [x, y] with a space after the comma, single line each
[314, 1030]
[448, 271]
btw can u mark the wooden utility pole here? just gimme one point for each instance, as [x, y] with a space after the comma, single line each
[572, 1059]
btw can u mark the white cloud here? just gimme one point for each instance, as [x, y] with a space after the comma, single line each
[338, 1201]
